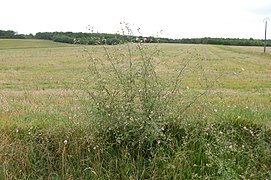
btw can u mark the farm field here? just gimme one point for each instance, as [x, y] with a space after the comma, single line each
[48, 122]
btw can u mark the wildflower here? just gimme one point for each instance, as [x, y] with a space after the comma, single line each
[246, 107]
[171, 166]
[251, 132]
[65, 141]
[158, 142]
[238, 117]
[215, 110]
[29, 132]
[16, 130]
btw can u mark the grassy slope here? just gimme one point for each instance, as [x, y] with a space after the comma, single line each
[39, 89]
[29, 44]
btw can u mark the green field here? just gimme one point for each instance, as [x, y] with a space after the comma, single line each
[7, 44]
[49, 130]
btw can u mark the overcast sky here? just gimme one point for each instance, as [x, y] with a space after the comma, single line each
[176, 18]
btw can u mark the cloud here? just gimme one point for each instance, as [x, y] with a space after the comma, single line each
[263, 9]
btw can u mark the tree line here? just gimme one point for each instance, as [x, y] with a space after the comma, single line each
[84, 38]
[113, 39]
[9, 34]
[220, 41]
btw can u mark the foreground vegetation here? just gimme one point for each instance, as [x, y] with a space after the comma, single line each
[134, 111]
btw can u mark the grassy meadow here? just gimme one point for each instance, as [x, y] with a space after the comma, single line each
[134, 111]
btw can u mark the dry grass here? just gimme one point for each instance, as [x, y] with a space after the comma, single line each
[59, 71]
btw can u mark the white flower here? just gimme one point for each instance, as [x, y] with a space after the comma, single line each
[215, 110]
[17, 130]
[238, 117]
[65, 141]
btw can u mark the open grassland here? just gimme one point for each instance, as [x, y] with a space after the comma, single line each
[50, 129]
[256, 51]
[29, 43]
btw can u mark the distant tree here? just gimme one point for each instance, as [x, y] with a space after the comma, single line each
[7, 34]
[63, 38]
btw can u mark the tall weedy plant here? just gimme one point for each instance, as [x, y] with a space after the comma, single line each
[131, 105]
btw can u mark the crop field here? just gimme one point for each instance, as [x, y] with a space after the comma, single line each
[134, 111]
